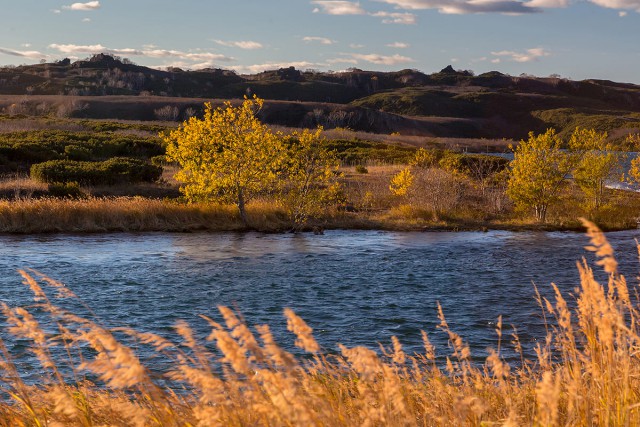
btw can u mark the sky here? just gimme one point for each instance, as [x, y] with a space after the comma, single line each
[576, 39]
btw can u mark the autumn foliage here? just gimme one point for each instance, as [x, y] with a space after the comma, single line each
[231, 156]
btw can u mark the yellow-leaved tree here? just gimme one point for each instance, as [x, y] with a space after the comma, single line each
[229, 155]
[310, 177]
[538, 169]
[401, 182]
[595, 163]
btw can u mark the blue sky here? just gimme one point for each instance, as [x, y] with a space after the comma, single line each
[578, 39]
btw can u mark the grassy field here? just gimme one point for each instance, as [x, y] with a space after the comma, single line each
[585, 371]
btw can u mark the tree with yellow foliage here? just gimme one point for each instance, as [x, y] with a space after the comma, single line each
[309, 183]
[538, 169]
[229, 155]
[401, 182]
[595, 163]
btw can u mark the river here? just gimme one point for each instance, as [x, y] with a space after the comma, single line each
[352, 287]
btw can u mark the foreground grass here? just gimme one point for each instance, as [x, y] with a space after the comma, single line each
[586, 372]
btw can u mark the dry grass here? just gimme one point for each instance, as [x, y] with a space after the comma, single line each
[123, 214]
[586, 372]
[36, 124]
[18, 186]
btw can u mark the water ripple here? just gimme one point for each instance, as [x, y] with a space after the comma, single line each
[352, 287]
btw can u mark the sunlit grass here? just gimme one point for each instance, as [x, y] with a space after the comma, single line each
[112, 214]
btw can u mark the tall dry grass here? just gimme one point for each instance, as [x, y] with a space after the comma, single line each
[586, 371]
[46, 215]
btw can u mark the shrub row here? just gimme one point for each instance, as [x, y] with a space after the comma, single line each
[117, 170]
[39, 146]
[355, 151]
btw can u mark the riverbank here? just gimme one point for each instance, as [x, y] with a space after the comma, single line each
[138, 214]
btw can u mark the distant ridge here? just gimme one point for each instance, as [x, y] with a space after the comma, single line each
[454, 102]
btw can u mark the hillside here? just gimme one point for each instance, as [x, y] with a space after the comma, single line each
[449, 103]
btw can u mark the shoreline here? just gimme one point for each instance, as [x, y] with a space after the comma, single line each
[141, 215]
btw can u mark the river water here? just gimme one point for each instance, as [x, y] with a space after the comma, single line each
[352, 287]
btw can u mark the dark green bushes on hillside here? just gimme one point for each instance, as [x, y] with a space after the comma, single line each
[32, 147]
[353, 152]
[119, 170]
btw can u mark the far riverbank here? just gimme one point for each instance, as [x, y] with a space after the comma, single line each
[137, 214]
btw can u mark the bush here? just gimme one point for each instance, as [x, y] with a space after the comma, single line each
[32, 147]
[361, 169]
[113, 171]
[159, 160]
[425, 158]
[76, 152]
[70, 190]
[356, 151]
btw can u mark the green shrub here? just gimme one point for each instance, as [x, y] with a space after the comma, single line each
[355, 151]
[117, 170]
[69, 190]
[76, 152]
[29, 147]
[159, 160]
[451, 162]
[361, 169]
[477, 166]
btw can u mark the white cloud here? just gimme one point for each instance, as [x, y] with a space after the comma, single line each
[56, 11]
[375, 58]
[242, 44]
[150, 53]
[334, 7]
[321, 40]
[622, 14]
[496, 61]
[32, 54]
[619, 4]
[92, 49]
[396, 17]
[257, 68]
[508, 7]
[528, 56]
[26, 45]
[356, 46]
[342, 61]
[460, 7]
[398, 45]
[92, 5]
[86, 20]
[547, 4]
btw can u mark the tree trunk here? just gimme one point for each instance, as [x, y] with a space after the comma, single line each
[241, 208]
[541, 213]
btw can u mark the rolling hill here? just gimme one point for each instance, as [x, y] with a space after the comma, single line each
[449, 103]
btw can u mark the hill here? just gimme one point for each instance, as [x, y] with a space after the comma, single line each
[449, 103]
